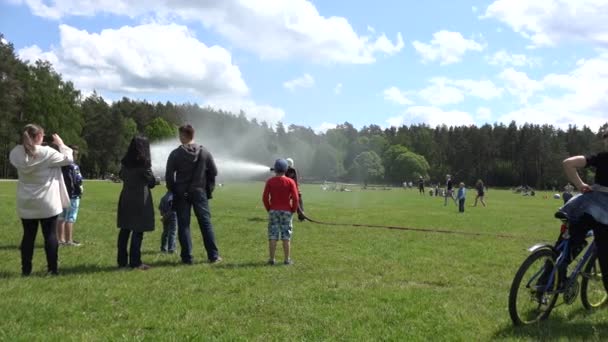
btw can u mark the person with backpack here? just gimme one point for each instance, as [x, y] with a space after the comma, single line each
[66, 220]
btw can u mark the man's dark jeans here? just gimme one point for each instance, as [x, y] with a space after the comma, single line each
[198, 201]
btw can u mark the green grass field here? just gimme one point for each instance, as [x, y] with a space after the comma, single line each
[347, 283]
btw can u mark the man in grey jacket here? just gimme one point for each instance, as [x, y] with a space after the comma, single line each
[190, 176]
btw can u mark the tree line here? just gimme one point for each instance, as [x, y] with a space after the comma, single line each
[501, 155]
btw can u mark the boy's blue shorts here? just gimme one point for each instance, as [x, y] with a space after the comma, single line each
[70, 214]
[279, 223]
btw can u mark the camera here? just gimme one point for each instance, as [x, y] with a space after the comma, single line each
[48, 139]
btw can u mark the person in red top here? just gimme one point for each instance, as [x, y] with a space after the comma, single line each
[281, 202]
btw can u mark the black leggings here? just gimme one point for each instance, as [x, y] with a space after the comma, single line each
[30, 229]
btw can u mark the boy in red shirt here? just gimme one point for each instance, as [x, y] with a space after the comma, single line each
[281, 201]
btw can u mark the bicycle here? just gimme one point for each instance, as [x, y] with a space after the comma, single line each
[543, 276]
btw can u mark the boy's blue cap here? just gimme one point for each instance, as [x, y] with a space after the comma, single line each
[280, 165]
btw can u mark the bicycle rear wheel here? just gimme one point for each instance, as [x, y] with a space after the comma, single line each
[593, 293]
[532, 298]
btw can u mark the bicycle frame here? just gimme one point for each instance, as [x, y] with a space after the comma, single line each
[561, 263]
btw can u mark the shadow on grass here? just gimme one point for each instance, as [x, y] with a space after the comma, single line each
[9, 247]
[254, 264]
[85, 269]
[257, 219]
[557, 328]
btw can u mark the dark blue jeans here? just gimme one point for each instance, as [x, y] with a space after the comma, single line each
[167, 239]
[198, 201]
[133, 257]
[461, 205]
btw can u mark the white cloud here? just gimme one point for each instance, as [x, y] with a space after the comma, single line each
[338, 89]
[271, 29]
[439, 94]
[393, 94]
[432, 116]
[503, 58]
[305, 81]
[474, 9]
[582, 98]
[447, 47]
[131, 59]
[547, 23]
[484, 114]
[267, 113]
[444, 91]
[325, 126]
[151, 58]
[519, 84]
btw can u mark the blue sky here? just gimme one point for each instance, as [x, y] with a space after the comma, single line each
[321, 63]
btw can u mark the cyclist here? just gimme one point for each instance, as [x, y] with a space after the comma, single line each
[589, 210]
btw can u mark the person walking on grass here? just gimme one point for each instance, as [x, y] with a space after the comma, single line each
[280, 199]
[135, 213]
[449, 190]
[421, 185]
[461, 196]
[73, 183]
[190, 176]
[41, 193]
[480, 193]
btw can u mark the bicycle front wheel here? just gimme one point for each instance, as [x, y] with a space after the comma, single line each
[533, 294]
[593, 293]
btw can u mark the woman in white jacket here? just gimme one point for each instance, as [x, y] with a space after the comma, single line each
[41, 192]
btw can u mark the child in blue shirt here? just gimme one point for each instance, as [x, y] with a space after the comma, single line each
[461, 197]
[169, 218]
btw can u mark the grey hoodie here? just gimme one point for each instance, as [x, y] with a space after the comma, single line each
[190, 168]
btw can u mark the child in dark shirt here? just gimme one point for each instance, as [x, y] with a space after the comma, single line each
[280, 199]
[169, 218]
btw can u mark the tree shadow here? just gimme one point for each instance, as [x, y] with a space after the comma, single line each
[558, 328]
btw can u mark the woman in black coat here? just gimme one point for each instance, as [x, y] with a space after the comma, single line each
[135, 208]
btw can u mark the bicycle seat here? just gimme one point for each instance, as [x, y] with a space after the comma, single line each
[561, 215]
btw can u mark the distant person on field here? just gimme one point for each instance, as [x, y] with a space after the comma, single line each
[293, 174]
[135, 213]
[480, 192]
[461, 196]
[280, 199]
[66, 220]
[421, 185]
[567, 195]
[190, 176]
[41, 192]
[449, 190]
[169, 218]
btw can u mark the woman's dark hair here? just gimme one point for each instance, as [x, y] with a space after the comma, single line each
[138, 153]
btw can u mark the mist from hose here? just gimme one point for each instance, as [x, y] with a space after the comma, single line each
[228, 167]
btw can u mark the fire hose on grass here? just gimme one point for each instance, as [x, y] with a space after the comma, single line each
[426, 230]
